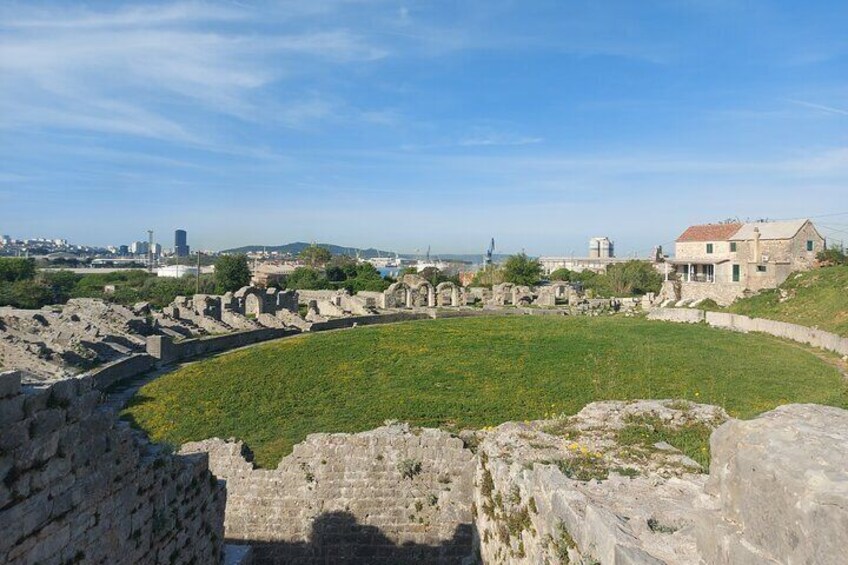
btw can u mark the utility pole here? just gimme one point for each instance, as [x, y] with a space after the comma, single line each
[150, 250]
[197, 289]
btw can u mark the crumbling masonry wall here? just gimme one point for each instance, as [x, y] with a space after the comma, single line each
[390, 495]
[78, 486]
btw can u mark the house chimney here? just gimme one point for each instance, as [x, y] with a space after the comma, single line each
[756, 245]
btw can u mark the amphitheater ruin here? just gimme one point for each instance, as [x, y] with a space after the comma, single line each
[79, 485]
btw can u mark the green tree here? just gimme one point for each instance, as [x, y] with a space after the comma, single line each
[367, 277]
[315, 256]
[521, 269]
[593, 283]
[340, 268]
[488, 277]
[16, 269]
[633, 278]
[231, 273]
[561, 275]
[306, 278]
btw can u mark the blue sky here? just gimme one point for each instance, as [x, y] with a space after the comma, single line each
[402, 124]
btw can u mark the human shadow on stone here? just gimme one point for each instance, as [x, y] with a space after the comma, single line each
[337, 537]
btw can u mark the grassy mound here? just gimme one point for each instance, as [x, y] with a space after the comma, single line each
[471, 372]
[813, 298]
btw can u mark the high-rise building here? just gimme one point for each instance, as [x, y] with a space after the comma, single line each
[181, 248]
[123, 250]
[601, 248]
[139, 248]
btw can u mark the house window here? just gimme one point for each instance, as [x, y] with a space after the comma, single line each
[709, 248]
[761, 268]
[809, 245]
[733, 247]
[735, 273]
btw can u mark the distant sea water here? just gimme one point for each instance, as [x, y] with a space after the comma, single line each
[389, 272]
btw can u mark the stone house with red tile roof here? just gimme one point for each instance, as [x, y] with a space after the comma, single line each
[728, 260]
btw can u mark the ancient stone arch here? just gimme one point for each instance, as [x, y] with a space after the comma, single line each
[252, 301]
[398, 295]
[423, 294]
[447, 294]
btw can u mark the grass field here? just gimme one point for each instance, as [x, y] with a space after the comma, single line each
[813, 298]
[470, 373]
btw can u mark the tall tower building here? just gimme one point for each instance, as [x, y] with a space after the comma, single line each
[181, 248]
[601, 248]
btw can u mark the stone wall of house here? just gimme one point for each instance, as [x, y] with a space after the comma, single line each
[78, 486]
[390, 495]
[722, 293]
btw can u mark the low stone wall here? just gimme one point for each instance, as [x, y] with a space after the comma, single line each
[794, 332]
[126, 368]
[390, 495]
[79, 486]
[166, 351]
[803, 334]
[339, 323]
[684, 315]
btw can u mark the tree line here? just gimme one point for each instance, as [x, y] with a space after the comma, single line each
[631, 278]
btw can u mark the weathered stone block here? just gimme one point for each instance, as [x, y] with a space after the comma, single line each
[46, 422]
[10, 383]
[11, 410]
[782, 483]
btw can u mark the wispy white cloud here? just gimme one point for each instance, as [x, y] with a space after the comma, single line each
[498, 139]
[821, 107]
[150, 70]
[79, 18]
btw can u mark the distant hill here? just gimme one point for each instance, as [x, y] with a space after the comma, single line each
[298, 246]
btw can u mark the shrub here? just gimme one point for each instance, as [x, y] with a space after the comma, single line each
[832, 257]
[409, 468]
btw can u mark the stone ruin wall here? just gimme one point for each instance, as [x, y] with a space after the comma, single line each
[776, 492]
[79, 486]
[390, 495]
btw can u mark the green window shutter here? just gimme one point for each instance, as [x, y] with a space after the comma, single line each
[733, 247]
[709, 248]
[809, 245]
[735, 273]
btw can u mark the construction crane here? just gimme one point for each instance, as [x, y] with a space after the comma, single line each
[489, 252]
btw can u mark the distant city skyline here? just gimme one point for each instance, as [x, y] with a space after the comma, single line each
[401, 125]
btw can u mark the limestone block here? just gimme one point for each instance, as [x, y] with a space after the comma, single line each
[782, 483]
[11, 410]
[10, 383]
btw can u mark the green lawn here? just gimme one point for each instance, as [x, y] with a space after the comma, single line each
[470, 373]
[812, 298]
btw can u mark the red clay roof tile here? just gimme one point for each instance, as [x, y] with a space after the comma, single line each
[709, 232]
